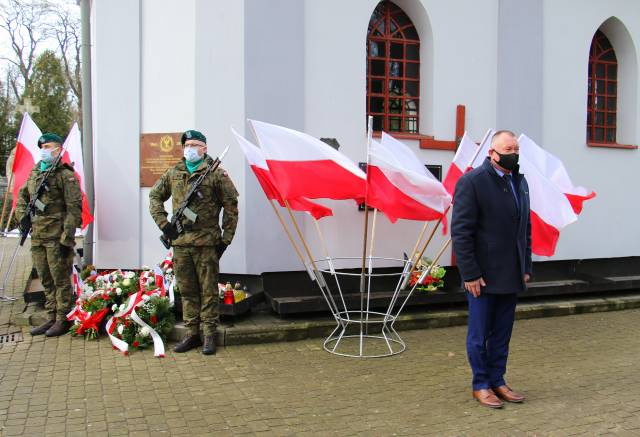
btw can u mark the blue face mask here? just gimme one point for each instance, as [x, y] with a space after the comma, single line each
[46, 155]
[191, 154]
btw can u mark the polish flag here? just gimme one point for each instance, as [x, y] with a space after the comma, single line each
[259, 166]
[551, 210]
[554, 170]
[463, 160]
[304, 166]
[73, 156]
[27, 154]
[401, 186]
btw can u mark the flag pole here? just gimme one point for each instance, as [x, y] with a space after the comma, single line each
[423, 275]
[6, 197]
[6, 229]
[415, 248]
[331, 266]
[317, 272]
[366, 228]
[286, 230]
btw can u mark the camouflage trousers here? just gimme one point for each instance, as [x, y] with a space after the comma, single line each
[54, 267]
[197, 270]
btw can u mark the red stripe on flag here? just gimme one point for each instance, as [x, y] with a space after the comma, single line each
[268, 186]
[317, 179]
[576, 201]
[22, 165]
[386, 197]
[544, 237]
[451, 179]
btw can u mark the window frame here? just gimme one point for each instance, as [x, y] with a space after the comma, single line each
[389, 13]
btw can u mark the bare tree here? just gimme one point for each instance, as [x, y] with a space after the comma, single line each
[24, 21]
[67, 32]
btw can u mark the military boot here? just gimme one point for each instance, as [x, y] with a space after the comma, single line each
[209, 347]
[187, 343]
[39, 330]
[61, 327]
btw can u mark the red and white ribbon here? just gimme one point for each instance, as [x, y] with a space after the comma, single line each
[158, 345]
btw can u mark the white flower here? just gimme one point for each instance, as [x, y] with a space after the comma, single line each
[118, 291]
[145, 268]
[129, 275]
[120, 329]
[145, 331]
[145, 297]
[126, 282]
[122, 307]
[114, 307]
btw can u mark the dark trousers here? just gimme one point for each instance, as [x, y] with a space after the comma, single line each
[490, 324]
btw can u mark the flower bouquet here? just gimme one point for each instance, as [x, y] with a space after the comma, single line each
[432, 281]
[137, 307]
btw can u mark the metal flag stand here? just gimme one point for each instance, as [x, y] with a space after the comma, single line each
[3, 296]
[366, 333]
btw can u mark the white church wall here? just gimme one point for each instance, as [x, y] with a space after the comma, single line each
[219, 102]
[274, 93]
[608, 225]
[116, 112]
[167, 90]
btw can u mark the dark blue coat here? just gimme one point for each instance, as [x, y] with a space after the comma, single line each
[491, 235]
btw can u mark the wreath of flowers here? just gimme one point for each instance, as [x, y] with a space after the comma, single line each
[432, 281]
[137, 307]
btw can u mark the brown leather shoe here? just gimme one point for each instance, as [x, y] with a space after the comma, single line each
[60, 327]
[505, 393]
[487, 397]
[39, 330]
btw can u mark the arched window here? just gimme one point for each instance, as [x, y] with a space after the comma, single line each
[603, 91]
[393, 70]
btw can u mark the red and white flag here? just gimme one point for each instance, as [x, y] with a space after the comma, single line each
[554, 170]
[462, 162]
[401, 186]
[258, 165]
[73, 155]
[550, 209]
[27, 154]
[304, 166]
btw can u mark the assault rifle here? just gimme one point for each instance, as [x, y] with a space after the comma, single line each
[35, 203]
[179, 214]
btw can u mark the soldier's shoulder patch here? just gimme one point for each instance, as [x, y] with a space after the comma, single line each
[72, 178]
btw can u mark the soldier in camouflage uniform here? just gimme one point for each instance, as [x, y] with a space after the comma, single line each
[197, 251]
[58, 214]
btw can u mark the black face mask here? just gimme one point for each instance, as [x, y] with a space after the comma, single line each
[508, 161]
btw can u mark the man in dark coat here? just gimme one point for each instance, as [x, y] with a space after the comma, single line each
[491, 233]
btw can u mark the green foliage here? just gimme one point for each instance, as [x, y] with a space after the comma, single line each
[8, 126]
[49, 90]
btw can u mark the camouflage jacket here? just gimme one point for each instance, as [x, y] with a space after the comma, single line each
[62, 210]
[217, 192]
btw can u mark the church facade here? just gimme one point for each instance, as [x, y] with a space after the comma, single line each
[563, 72]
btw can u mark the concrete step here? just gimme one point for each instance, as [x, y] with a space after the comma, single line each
[262, 326]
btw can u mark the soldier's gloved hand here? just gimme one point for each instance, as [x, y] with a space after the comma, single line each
[170, 231]
[220, 248]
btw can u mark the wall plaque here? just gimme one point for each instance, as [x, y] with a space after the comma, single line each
[158, 152]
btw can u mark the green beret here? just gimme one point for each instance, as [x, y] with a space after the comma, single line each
[48, 137]
[193, 135]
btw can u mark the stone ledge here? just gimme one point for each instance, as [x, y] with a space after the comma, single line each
[278, 330]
